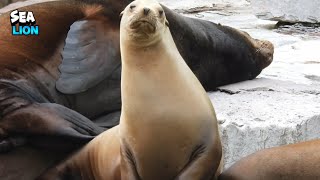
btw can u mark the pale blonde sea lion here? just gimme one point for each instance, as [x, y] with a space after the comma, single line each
[168, 128]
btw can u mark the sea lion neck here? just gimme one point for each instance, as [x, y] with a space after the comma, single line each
[140, 53]
[139, 62]
[159, 66]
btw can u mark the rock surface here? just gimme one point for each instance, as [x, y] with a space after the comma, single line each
[288, 10]
[282, 105]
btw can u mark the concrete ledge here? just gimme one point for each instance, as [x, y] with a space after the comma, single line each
[265, 113]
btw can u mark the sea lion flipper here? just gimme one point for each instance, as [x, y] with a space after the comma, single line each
[204, 164]
[91, 54]
[99, 159]
[42, 121]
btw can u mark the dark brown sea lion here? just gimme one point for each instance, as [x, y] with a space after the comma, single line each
[218, 54]
[299, 161]
[168, 128]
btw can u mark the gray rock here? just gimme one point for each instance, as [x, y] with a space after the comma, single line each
[288, 10]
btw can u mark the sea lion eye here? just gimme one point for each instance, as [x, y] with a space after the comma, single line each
[132, 6]
[161, 12]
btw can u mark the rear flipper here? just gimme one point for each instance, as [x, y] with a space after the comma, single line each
[46, 125]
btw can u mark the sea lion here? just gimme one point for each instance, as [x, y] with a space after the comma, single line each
[218, 54]
[168, 128]
[298, 161]
[33, 114]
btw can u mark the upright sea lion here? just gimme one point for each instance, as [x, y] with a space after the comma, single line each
[299, 161]
[168, 128]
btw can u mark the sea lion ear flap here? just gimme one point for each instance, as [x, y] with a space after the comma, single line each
[121, 14]
[167, 23]
[90, 55]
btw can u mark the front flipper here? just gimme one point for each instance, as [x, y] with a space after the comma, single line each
[99, 159]
[48, 125]
[204, 163]
[90, 55]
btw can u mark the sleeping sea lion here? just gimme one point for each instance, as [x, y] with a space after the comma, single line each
[168, 128]
[299, 161]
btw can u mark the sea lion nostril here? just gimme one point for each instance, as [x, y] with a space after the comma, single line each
[146, 11]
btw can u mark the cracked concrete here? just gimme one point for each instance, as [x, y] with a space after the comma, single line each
[282, 105]
[265, 113]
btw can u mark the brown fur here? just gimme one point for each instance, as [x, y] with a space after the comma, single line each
[291, 162]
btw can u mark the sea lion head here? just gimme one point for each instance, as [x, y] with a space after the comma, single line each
[143, 20]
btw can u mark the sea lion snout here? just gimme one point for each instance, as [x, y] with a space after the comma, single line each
[145, 16]
[146, 11]
[143, 20]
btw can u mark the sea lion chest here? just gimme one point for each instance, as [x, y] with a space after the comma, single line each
[165, 107]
